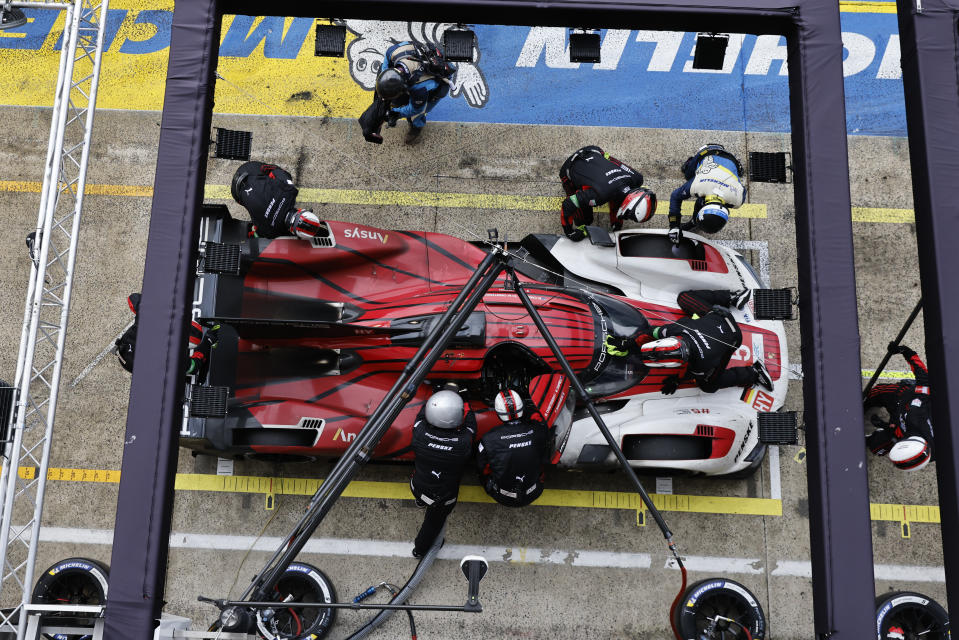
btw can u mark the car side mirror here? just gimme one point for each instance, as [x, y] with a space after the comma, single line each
[474, 568]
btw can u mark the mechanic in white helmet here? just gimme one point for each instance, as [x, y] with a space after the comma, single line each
[699, 346]
[714, 176]
[591, 177]
[443, 437]
[268, 193]
[908, 436]
[512, 457]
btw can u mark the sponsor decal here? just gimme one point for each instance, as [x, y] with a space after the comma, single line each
[345, 436]
[363, 234]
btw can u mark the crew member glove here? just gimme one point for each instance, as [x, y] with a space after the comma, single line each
[577, 233]
[570, 211]
[675, 235]
[670, 385]
[200, 358]
[617, 346]
[900, 348]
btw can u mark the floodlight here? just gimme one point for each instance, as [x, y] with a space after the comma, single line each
[710, 51]
[458, 43]
[11, 18]
[584, 45]
[330, 39]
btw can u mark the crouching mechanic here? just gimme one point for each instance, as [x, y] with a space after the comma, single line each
[714, 176]
[512, 457]
[908, 436]
[591, 177]
[268, 193]
[442, 444]
[702, 344]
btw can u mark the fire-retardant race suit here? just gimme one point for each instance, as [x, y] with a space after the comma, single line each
[712, 335]
[268, 194]
[714, 177]
[591, 177]
[908, 404]
[441, 455]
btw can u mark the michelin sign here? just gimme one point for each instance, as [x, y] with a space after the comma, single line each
[520, 75]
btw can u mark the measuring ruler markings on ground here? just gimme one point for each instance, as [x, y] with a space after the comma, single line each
[370, 197]
[273, 486]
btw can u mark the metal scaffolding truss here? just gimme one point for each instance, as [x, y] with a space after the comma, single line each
[26, 451]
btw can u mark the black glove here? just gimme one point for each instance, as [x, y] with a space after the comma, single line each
[200, 358]
[570, 211]
[391, 118]
[577, 234]
[675, 235]
[670, 385]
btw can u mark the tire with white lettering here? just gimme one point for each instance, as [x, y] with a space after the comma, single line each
[72, 581]
[713, 597]
[907, 614]
[300, 582]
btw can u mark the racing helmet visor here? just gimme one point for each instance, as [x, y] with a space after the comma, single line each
[665, 353]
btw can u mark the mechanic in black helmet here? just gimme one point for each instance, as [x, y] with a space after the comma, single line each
[268, 193]
[908, 405]
[413, 78]
[591, 177]
[512, 457]
[714, 176]
[442, 444]
[703, 343]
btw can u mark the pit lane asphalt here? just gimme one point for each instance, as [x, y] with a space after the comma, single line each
[523, 596]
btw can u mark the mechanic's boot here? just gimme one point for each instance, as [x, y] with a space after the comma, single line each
[763, 378]
[740, 298]
[413, 135]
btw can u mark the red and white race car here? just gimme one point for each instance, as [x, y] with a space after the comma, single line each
[314, 334]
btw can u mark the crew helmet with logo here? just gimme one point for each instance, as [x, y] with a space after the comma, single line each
[508, 405]
[911, 454]
[669, 353]
[444, 409]
[712, 216]
[390, 84]
[638, 205]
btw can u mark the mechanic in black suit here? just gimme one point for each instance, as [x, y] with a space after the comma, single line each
[704, 343]
[591, 177]
[442, 444]
[268, 193]
[908, 405]
[512, 457]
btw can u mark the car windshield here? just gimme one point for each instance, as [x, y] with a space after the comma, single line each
[612, 374]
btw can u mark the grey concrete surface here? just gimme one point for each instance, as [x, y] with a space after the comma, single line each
[522, 598]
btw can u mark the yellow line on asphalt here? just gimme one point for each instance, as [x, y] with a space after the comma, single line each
[868, 214]
[898, 375]
[867, 7]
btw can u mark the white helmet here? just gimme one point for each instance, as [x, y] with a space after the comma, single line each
[306, 225]
[670, 353]
[444, 410]
[508, 405]
[638, 205]
[910, 454]
[712, 217]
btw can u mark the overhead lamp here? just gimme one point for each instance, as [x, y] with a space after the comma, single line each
[584, 45]
[11, 18]
[710, 51]
[330, 39]
[458, 43]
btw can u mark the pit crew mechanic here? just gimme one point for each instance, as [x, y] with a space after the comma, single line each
[714, 176]
[268, 194]
[908, 406]
[701, 344]
[591, 177]
[443, 435]
[512, 457]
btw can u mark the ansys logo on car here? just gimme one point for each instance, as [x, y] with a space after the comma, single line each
[356, 232]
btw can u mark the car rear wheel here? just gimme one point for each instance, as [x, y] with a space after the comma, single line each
[707, 606]
[300, 582]
[910, 615]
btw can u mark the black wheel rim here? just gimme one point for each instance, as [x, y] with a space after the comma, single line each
[292, 622]
[74, 588]
[916, 622]
[727, 605]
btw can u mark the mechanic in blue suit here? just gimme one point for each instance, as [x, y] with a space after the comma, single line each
[413, 79]
[714, 176]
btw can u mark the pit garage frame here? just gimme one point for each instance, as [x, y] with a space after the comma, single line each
[838, 494]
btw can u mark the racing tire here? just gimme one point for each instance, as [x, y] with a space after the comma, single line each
[305, 583]
[917, 615]
[707, 598]
[72, 581]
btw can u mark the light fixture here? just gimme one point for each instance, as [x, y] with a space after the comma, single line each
[458, 43]
[330, 39]
[11, 18]
[583, 45]
[710, 51]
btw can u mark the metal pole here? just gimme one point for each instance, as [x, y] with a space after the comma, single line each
[376, 426]
[885, 359]
[344, 605]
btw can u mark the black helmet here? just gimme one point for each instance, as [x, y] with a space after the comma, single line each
[390, 84]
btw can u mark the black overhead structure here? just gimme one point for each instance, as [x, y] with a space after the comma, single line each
[929, 40]
[839, 507]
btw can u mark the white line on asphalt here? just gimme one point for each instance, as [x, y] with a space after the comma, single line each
[514, 555]
[775, 480]
[101, 356]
